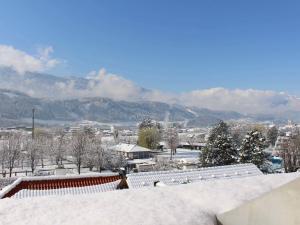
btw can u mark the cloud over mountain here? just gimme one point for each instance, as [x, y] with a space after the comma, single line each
[244, 101]
[103, 84]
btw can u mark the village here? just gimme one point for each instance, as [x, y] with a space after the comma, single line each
[151, 146]
[86, 160]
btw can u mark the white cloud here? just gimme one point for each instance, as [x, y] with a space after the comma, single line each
[103, 84]
[244, 101]
[23, 62]
[111, 85]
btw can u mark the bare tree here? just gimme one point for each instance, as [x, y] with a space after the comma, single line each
[98, 152]
[13, 150]
[119, 161]
[3, 154]
[172, 140]
[113, 160]
[58, 145]
[79, 148]
[90, 155]
[291, 154]
[31, 149]
[42, 145]
[116, 136]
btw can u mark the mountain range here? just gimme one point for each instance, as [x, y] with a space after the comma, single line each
[54, 102]
[16, 108]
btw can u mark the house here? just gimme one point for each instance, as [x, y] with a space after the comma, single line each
[137, 157]
[131, 151]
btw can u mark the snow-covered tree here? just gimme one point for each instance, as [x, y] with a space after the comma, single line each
[113, 160]
[3, 154]
[58, 146]
[220, 129]
[95, 153]
[149, 123]
[252, 147]
[220, 152]
[219, 149]
[116, 136]
[172, 140]
[31, 150]
[79, 148]
[291, 155]
[13, 150]
[163, 164]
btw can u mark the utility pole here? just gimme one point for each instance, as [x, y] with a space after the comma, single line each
[33, 111]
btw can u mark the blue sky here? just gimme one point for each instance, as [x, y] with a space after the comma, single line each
[167, 45]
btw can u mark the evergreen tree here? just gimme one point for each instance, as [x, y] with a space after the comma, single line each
[220, 149]
[252, 147]
[220, 129]
[219, 153]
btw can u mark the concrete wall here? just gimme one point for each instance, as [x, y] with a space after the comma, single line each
[278, 207]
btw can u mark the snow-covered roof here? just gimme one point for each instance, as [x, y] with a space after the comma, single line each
[130, 148]
[92, 189]
[60, 185]
[200, 144]
[196, 203]
[141, 161]
[174, 177]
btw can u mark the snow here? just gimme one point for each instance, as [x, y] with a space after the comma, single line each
[129, 148]
[195, 203]
[26, 193]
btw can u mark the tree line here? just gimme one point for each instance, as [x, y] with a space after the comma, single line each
[225, 147]
[84, 148]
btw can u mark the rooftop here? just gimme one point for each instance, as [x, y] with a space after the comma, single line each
[130, 148]
[60, 185]
[195, 203]
[174, 177]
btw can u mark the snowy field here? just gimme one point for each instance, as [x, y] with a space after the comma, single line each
[195, 203]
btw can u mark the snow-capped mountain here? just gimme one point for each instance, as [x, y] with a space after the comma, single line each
[17, 107]
[110, 98]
